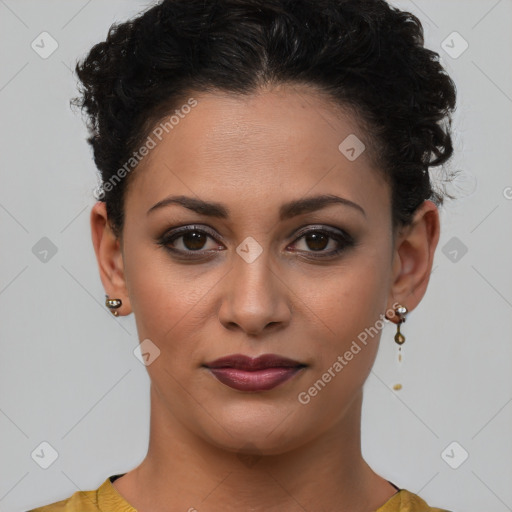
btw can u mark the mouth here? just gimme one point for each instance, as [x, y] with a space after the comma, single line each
[254, 374]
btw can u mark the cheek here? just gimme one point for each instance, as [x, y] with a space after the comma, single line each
[346, 300]
[344, 326]
[168, 299]
[344, 311]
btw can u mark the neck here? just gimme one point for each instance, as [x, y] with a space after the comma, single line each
[184, 471]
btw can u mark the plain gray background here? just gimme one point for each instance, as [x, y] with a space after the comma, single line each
[69, 376]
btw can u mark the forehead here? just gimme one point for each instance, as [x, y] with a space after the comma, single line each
[279, 143]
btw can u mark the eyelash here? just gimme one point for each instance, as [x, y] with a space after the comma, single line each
[342, 238]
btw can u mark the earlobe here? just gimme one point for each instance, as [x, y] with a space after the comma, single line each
[414, 256]
[109, 257]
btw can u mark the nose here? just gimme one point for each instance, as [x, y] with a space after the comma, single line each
[254, 297]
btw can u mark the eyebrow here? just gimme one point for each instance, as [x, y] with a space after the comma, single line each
[286, 211]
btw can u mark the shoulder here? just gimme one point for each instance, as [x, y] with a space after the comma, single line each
[406, 501]
[85, 501]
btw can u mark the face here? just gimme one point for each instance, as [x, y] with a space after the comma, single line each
[253, 274]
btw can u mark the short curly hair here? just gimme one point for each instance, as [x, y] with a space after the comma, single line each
[368, 56]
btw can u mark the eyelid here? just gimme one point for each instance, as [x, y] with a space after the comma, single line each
[319, 227]
[296, 232]
[185, 228]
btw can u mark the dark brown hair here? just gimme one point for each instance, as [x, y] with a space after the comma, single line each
[365, 54]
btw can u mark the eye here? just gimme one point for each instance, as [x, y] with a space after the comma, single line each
[315, 242]
[318, 239]
[189, 239]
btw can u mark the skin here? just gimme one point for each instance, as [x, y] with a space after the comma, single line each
[212, 447]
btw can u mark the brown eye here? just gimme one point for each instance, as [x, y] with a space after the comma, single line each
[194, 240]
[189, 239]
[315, 243]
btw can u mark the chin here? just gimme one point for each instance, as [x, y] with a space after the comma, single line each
[257, 433]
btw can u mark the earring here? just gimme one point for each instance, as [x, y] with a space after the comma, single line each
[400, 311]
[113, 304]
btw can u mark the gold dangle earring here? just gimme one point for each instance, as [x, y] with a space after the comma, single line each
[400, 311]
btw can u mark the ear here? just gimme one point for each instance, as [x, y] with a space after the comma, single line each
[413, 257]
[109, 256]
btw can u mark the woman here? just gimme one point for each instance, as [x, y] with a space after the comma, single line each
[265, 202]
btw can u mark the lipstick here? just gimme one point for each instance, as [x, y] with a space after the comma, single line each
[254, 374]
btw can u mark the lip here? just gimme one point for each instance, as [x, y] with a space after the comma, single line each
[254, 374]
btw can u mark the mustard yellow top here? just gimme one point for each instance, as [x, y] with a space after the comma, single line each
[107, 499]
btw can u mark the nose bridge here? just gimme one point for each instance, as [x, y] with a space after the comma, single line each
[253, 296]
[252, 274]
